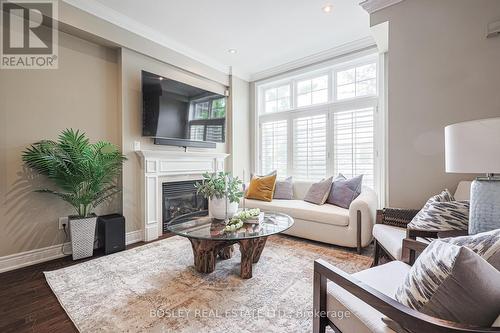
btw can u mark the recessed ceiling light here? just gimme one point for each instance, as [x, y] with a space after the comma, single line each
[161, 78]
[327, 8]
[232, 51]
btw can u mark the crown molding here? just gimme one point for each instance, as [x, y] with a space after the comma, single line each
[372, 6]
[312, 59]
[108, 14]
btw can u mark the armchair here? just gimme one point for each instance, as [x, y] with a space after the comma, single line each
[390, 229]
[368, 296]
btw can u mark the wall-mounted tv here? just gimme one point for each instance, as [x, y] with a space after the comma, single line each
[175, 113]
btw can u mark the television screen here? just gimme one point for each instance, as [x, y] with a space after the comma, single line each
[175, 110]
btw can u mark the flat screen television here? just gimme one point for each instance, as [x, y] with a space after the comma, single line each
[175, 113]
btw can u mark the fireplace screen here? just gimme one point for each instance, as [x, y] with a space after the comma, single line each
[180, 198]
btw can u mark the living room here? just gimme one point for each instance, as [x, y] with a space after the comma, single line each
[285, 166]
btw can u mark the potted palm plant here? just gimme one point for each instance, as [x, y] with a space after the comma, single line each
[85, 175]
[221, 190]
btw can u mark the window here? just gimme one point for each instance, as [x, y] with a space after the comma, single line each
[329, 126]
[197, 132]
[353, 144]
[309, 147]
[357, 81]
[208, 120]
[201, 110]
[218, 108]
[274, 147]
[277, 99]
[314, 91]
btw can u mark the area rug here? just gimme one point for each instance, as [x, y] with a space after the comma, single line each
[154, 288]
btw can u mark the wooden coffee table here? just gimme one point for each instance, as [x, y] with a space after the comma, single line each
[209, 241]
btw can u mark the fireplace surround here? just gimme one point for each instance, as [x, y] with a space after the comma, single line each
[163, 166]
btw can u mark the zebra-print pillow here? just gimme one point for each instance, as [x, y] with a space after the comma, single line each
[485, 244]
[452, 283]
[442, 215]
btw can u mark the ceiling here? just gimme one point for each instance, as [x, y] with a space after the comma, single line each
[264, 33]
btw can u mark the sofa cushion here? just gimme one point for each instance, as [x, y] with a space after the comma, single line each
[362, 317]
[318, 192]
[452, 283]
[261, 188]
[485, 244]
[328, 214]
[284, 189]
[391, 238]
[344, 191]
[442, 216]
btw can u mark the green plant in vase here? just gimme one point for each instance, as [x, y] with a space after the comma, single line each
[221, 189]
[85, 175]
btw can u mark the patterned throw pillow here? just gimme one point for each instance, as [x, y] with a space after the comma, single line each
[441, 213]
[452, 283]
[318, 192]
[344, 191]
[284, 189]
[485, 244]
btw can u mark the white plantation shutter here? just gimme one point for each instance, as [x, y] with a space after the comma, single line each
[309, 147]
[354, 146]
[274, 147]
[214, 133]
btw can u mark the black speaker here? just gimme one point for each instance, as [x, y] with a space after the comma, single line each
[111, 233]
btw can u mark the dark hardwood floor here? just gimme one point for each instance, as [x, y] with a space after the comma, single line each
[27, 303]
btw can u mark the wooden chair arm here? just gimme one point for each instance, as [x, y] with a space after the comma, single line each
[397, 217]
[409, 319]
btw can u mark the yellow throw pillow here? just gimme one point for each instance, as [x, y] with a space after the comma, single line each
[261, 188]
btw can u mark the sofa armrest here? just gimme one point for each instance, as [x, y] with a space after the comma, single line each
[362, 216]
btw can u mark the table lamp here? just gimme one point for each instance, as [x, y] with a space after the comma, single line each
[474, 147]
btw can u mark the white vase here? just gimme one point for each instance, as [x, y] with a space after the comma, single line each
[217, 208]
[82, 232]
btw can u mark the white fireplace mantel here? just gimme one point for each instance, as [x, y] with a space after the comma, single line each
[159, 167]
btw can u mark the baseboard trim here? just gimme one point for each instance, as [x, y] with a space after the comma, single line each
[32, 257]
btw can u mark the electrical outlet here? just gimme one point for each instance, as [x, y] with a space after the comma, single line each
[63, 221]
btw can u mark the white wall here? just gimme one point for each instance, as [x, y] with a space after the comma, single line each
[441, 70]
[241, 128]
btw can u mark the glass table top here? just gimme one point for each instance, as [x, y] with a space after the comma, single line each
[199, 225]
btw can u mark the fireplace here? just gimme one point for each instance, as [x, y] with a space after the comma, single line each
[180, 198]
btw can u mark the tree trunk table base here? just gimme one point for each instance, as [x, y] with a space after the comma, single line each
[205, 253]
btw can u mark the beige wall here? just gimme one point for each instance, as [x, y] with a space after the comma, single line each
[96, 89]
[441, 70]
[131, 124]
[38, 104]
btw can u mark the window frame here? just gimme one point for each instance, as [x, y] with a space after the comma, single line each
[333, 105]
[279, 84]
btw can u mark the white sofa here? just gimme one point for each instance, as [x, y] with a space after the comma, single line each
[326, 223]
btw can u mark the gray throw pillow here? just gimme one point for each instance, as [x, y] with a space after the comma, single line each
[452, 283]
[344, 191]
[318, 192]
[442, 216]
[284, 189]
[485, 244]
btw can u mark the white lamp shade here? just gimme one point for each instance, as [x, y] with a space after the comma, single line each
[473, 146]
